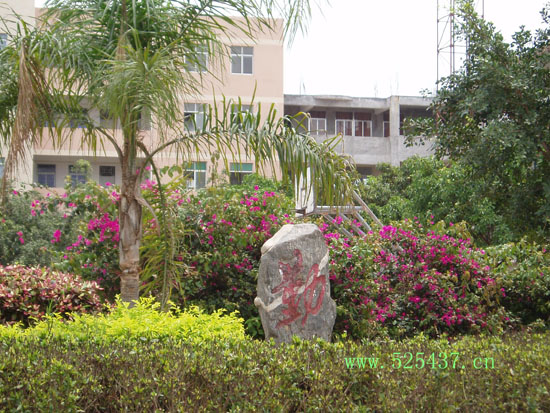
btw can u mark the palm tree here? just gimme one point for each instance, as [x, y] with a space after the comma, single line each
[131, 57]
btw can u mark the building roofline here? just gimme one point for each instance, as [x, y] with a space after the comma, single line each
[353, 101]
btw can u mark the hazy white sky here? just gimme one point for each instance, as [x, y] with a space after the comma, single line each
[377, 48]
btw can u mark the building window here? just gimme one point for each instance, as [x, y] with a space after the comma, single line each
[195, 173]
[3, 40]
[353, 124]
[363, 124]
[198, 60]
[106, 174]
[194, 116]
[78, 175]
[386, 129]
[344, 123]
[237, 172]
[46, 174]
[317, 123]
[241, 59]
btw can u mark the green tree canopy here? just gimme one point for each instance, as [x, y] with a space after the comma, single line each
[493, 115]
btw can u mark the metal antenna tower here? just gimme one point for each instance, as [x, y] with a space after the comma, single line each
[451, 50]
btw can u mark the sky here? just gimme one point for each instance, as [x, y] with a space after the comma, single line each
[385, 47]
[378, 48]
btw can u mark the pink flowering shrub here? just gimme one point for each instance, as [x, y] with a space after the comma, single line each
[91, 249]
[221, 231]
[27, 222]
[75, 232]
[409, 278]
[398, 280]
[27, 293]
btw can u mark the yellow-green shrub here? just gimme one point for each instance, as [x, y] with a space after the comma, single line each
[144, 322]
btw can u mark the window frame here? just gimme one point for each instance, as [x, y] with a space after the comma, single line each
[46, 174]
[241, 57]
[198, 179]
[200, 63]
[315, 119]
[237, 109]
[350, 121]
[237, 172]
[76, 178]
[103, 175]
[192, 111]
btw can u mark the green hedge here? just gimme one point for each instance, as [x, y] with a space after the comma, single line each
[244, 375]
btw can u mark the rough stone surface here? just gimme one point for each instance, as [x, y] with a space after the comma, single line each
[294, 287]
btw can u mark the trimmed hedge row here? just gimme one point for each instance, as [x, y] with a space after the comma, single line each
[243, 375]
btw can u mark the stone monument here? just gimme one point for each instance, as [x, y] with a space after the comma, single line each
[294, 287]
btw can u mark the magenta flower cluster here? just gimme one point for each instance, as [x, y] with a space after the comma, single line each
[414, 278]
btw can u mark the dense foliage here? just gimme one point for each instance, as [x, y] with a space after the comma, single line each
[143, 322]
[524, 271]
[28, 220]
[76, 232]
[492, 116]
[225, 254]
[413, 277]
[28, 294]
[435, 190]
[88, 371]
[90, 246]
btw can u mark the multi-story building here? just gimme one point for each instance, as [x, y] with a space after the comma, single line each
[253, 76]
[371, 128]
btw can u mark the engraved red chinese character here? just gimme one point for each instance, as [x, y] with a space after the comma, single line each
[294, 289]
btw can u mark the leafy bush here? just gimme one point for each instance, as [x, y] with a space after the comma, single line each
[76, 232]
[204, 249]
[27, 293]
[143, 322]
[89, 247]
[523, 270]
[427, 187]
[411, 278]
[243, 375]
[27, 223]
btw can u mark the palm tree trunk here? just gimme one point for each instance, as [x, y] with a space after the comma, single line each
[130, 237]
[130, 210]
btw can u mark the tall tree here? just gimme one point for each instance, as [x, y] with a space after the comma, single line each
[129, 58]
[494, 116]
